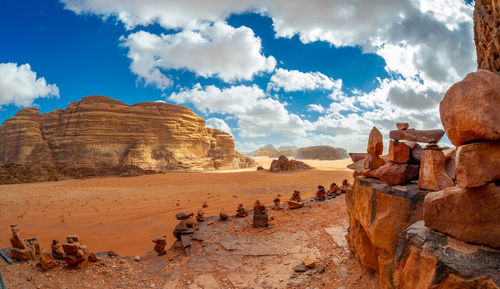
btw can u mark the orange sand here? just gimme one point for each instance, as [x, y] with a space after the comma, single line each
[125, 214]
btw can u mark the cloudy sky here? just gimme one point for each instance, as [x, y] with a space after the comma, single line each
[317, 72]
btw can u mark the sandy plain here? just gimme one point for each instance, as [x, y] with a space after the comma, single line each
[125, 214]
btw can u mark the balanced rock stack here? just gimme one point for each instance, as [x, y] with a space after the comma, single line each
[260, 217]
[75, 253]
[183, 232]
[295, 201]
[21, 250]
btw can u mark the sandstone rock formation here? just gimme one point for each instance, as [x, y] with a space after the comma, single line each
[322, 153]
[100, 132]
[272, 152]
[487, 34]
[375, 142]
[478, 163]
[471, 215]
[284, 164]
[433, 175]
[469, 109]
[399, 152]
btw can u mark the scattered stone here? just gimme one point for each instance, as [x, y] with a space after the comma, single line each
[478, 163]
[471, 215]
[137, 258]
[295, 205]
[373, 162]
[433, 175]
[300, 268]
[260, 168]
[296, 196]
[469, 109]
[223, 216]
[160, 243]
[426, 136]
[346, 187]
[241, 211]
[399, 152]
[402, 125]
[309, 262]
[183, 215]
[200, 216]
[277, 202]
[260, 217]
[321, 193]
[375, 142]
[396, 174]
[333, 191]
[93, 257]
[46, 261]
[320, 269]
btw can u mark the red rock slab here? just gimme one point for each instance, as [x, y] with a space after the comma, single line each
[470, 108]
[433, 175]
[357, 156]
[470, 215]
[375, 142]
[396, 174]
[399, 152]
[373, 162]
[426, 136]
[477, 164]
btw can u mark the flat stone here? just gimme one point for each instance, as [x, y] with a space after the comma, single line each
[433, 175]
[470, 215]
[184, 215]
[426, 136]
[399, 152]
[469, 109]
[300, 268]
[396, 174]
[295, 205]
[375, 142]
[402, 125]
[477, 164]
[23, 254]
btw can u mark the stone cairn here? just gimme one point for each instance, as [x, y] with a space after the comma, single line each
[320, 193]
[260, 217]
[333, 191]
[160, 243]
[223, 216]
[277, 203]
[75, 253]
[241, 211]
[295, 201]
[21, 249]
[200, 216]
[184, 231]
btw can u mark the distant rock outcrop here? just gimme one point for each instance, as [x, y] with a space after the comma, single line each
[284, 164]
[272, 152]
[99, 132]
[322, 153]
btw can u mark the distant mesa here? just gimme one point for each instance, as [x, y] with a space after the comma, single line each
[103, 136]
[322, 153]
[272, 152]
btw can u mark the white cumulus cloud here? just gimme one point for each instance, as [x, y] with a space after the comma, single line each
[218, 123]
[294, 80]
[20, 86]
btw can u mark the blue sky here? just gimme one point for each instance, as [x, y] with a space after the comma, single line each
[280, 72]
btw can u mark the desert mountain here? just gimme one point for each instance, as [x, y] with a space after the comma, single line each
[272, 152]
[102, 132]
[322, 153]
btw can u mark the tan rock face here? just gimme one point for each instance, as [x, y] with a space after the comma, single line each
[399, 152]
[433, 175]
[487, 34]
[100, 131]
[477, 164]
[469, 109]
[471, 215]
[375, 142]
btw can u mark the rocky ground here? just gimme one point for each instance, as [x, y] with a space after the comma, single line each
[229, 254]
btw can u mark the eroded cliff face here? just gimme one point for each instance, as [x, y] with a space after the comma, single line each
[102, 132]
[487, 34]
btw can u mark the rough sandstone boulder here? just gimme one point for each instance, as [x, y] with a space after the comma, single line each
[375, 142]
[433, 175]
[102, 132]
[470, 108]
[373, 162]
[322, 153]
[477, 164]
[487, 34]
[430, 260]
[396, 174]
[471, 215]
[399, 152]
[284, 164]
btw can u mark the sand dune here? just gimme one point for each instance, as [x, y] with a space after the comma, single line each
[125, 214]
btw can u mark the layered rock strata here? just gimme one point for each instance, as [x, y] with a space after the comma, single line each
[99, 132]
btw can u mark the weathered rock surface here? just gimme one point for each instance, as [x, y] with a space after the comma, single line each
[477, 164]
[375, 142]
[487, 34]
[284, 164]
[396, 174]
[433, 175]
[357, 156]
[427, 136]
[416, 155]
[373, 162]
[102, 132]
[469, 109]
[378, 213]
[471, 215]
[399, 152]
[428, 259]
[322, 153]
